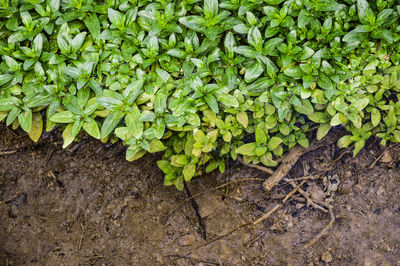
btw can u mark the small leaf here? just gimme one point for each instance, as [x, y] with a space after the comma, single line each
[243, 119]
[248, 149]
[189, 171]
[229, 100]
[92, 128]
[323, 130]
[274, 142]
[37, 127]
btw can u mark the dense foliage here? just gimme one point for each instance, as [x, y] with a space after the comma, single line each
[203, 81]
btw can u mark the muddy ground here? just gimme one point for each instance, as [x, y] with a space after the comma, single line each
[87, 206]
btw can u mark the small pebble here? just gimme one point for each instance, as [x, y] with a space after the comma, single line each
[326, 257]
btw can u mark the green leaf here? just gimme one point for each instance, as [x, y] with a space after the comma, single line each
[274, 142]
[116, 18]
[77, 42]
[25, 120]
[110, 123]
[63, 117]
[93, 24]
[211, 102]
[375, 117]
[324, 82]
[5, 78]
[248, 149]
[345, 141]
[92, 128]
[246, 51]
[189, 171]
[253, 72]
[319, 117]
[360, 104]
[365, 13]
[261, 137]
[243, 119]
[294, 72]
[67, 136]
[358, 34]
[229, 100]
[358, 146]
[210, 8]
[323, 130]
[37, 127]
[7, 104]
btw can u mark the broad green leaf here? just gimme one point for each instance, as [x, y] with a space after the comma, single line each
[375, 117]
[110, 123]
[63, 117]
[92, 128]
[248, 149]
[37, 127]
[229, 100]
[274, 142]
[210, 8]
[243, 119]
[189, 171]
[323, 130]
[25, 120]
[67, 136]
[93, 24]
[211, 102]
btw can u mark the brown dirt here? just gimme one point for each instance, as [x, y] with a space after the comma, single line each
[87, 206]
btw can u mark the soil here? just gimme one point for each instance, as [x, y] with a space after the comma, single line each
[86, 205]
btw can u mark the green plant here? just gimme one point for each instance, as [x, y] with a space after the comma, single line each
[203, 81]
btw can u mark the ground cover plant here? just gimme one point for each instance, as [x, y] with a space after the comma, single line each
[202, 81]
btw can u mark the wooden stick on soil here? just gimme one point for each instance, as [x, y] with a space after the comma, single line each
[268, 214]
[286, 165]
[259, 167]
[381, 155]
[8, 152]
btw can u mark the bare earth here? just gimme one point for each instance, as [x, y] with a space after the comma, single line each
[88, 206]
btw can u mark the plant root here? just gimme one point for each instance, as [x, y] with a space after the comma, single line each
[286, 165]
[324, 231]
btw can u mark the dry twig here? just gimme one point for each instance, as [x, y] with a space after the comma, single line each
[381, 155]
[8, 152]
[259, 167]
[268, 214]
[324, 231]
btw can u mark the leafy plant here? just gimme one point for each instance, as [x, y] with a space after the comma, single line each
[202, 81]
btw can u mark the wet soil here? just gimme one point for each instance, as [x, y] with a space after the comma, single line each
[86, 205]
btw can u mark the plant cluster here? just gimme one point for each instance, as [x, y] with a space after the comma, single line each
[204, 81]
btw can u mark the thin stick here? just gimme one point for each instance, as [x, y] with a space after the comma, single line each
[381, 155]
[259, 167]
[81, 239]
[277, 206]
[8, 152]
[306, 196]
[224, 235]
[255, 239]
[324, 231]
[165, 218]
[287, 164]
